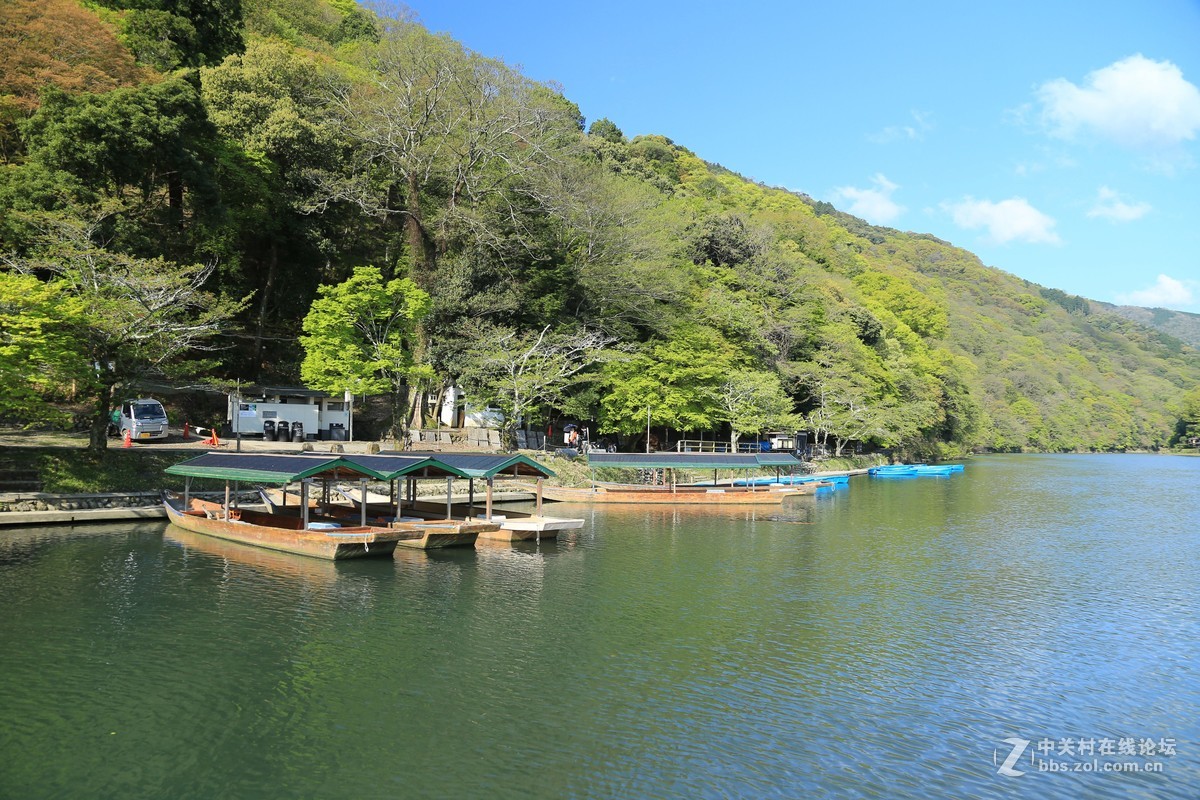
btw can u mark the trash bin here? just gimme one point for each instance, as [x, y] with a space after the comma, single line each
[283, 432]
[268, 430]
[337, 431]
[297, 431]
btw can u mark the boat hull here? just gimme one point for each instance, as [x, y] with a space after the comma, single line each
[679, 495]
[282, 534]
[509, 526]
[434, 535]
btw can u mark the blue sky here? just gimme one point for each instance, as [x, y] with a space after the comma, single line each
[1057, 140]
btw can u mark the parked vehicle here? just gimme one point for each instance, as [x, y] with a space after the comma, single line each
[144, 418]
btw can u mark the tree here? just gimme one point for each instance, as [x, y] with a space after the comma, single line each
[127, 317]
[522, 372]
[677, 381]
[436, 133]
[272, 102]
[752, 401]
[358, 338]
[607, 130]
[175, 33]
[58, 43]
[148, 147]
[36, 347]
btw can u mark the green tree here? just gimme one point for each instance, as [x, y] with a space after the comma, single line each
[272, 102]
[752, 401]
[127, 317]
[358, 337]
[36, 347]
[181, 33]
[525, 372]
[442, 140]
[675, 382]
[148, 148]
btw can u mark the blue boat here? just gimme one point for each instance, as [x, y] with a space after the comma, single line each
[838, 481]
[893, 471]
[914, 470]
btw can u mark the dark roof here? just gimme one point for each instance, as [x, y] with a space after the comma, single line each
[272, 468]
[693, 460]
[283, 391]
[482, 465]
[417, 466]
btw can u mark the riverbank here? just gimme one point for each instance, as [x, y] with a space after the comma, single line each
[56, 479]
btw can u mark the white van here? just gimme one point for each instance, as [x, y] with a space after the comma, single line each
[144, 418]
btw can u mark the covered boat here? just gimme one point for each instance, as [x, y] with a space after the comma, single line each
[670, 491]
[404, 506]
[303, 533]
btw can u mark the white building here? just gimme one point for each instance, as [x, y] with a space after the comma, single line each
[323, 416]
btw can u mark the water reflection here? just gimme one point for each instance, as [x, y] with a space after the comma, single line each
[880, 642]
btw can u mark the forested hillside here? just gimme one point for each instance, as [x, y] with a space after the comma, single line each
[198, 192]
[1183, 325]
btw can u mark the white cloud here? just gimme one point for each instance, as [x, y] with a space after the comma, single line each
[1135, 102]
[1011, 220]
[1111, 207]
[910, 132]
[874, 205]
[1167, 292]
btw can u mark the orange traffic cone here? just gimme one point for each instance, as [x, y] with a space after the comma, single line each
[213, 441]
[186, 431]
[128, 439]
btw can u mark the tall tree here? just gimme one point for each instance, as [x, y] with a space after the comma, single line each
[752, 401]
[147, 148]
[525, 372]
[358, 338]
[437, 133]
[273, 102]
[674, 382]
[127, 317]
[36, 347]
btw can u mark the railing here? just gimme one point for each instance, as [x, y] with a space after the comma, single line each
[702, 446]
[709, 446]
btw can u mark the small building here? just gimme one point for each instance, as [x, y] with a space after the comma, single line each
[321, 415]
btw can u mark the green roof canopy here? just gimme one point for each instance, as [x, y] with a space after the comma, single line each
[388, 467]
[480, 465]
[693, 460]
[256, 468]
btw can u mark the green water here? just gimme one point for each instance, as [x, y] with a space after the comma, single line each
[882, 641]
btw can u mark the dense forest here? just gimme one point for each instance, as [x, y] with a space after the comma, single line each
[301, 190]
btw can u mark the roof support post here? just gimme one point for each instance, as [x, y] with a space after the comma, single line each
[540, 482]
[449, 495]
[187, 490]
[304, 503]
[490, 483]
[362, 485]
[470, 497]
[396, 499]
[226, 500]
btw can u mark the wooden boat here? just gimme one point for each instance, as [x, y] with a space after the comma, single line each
[317, 572]
[511, 526]
[285, 533]
[433, 530]
[679, 493]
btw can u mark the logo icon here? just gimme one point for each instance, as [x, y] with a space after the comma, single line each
[1018, 750]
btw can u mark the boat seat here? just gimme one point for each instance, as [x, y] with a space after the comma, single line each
[323, 526]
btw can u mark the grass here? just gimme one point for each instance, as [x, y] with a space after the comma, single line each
[65, 470]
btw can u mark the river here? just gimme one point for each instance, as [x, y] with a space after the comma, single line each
[1027, 628]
